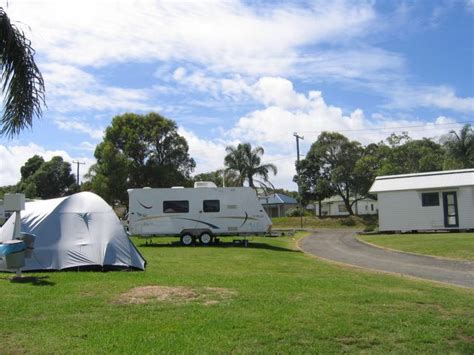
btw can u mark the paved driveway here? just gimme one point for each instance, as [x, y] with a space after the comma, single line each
[343, 247]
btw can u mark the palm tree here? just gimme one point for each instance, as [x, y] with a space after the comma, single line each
[246, 162]
[22, 83]
[461, 146]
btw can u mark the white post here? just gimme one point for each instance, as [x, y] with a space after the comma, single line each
[17, 228]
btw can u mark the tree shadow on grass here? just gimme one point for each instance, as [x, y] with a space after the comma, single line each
[31, 280]
[220, 244]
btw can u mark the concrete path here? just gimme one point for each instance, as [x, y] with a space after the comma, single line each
[343, 247]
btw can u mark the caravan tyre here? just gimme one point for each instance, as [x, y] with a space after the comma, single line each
[205, 238]
[187, 239]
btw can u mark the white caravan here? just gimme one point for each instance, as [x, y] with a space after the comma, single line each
[198, 213]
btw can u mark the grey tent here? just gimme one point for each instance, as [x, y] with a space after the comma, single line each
[80, 230]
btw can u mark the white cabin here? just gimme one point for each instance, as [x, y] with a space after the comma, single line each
[335, 207]
[441, 200]
[199, 213]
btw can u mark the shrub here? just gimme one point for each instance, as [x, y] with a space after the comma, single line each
[348, 221]
[296, 212]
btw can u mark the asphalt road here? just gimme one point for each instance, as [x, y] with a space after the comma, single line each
[343, 247]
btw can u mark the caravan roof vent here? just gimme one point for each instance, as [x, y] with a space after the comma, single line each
[204, 184]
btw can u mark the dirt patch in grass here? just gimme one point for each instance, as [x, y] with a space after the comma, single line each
[177, 294]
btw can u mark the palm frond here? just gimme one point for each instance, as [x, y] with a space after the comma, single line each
[22, 82]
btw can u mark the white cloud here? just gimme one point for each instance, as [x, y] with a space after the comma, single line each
[209, 155]
[87, 146]
[235, 42]
[234, 86]
[179, 73]
[287, 111]
[224, 35]
[79, 127]
[359, 62]
[470, 5]
[13, 157]
[279, 92]
[71, 89]
[441, 97]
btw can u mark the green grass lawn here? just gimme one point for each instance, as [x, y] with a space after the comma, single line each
[281, 301]
[450, 245]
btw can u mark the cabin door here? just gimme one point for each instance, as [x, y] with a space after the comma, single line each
[450, 203]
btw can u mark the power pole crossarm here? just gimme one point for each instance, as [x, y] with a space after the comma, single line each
[78, 163]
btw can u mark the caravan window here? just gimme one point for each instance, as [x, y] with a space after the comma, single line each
[430, 199]
[211, 206]
[175, 206]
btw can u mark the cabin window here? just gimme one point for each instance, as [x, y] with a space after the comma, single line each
[342, 208]
[371, 206]
[175, 206]
[430, 199]
[211, 206]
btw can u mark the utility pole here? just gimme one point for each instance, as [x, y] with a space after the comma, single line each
[298, 172]
[78, 163]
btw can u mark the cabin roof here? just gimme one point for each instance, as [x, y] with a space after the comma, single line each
[420, 181]
[277, 199]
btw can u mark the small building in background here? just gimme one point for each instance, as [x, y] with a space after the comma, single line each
[334, 207]
[441, 200]
[2, 213]
[277, 205]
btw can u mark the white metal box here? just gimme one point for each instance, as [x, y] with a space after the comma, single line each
[14, 202]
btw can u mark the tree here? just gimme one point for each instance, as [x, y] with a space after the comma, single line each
[333, 159]
[460, 148]
[314, 185]
[108, 177]
[23, 85]
[139, 151]
[31, 166]
[293, 194]
[7, 189]
[411, 156]
[231, 179]
[47, 179]
[246, 163]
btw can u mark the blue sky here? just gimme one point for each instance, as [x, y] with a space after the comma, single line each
[238, 71]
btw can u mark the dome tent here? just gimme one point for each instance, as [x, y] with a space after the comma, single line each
[80, 230]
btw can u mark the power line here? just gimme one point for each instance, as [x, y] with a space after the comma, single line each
[425, 126]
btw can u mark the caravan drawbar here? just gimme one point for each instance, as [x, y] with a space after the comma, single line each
[196, 214]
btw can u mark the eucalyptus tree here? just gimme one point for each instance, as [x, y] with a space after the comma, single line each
[246, 162]
[21, 81]
[47, 179]
[330, 168]
[138, 151]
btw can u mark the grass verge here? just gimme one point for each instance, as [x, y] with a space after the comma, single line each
[268, 298]
[449, 245]
[358, 222]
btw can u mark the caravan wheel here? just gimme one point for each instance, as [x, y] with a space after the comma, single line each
[205, 238]
[187, 239]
